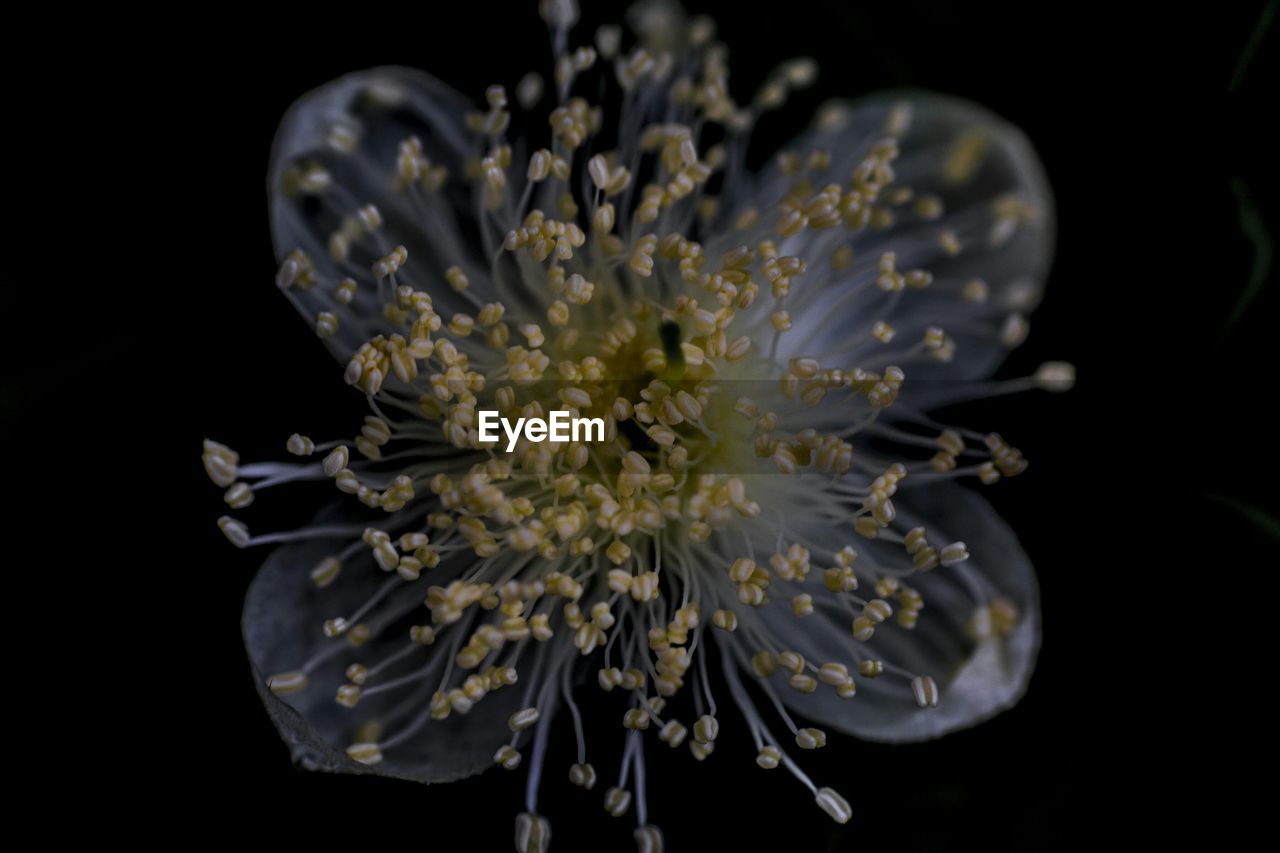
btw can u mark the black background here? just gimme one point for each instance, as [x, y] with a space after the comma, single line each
[1151, 136]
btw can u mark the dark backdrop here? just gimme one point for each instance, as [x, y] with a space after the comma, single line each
[1151, 132]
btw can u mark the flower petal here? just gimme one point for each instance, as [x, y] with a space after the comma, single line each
[338, 149]
[996, 203]
[976, 678]
[282, 623]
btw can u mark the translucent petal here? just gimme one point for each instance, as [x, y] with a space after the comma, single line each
[997, 203]
[352, 130]
[283, 617]
[976, 679]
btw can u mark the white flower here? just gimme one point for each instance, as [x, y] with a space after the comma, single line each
[762, 349]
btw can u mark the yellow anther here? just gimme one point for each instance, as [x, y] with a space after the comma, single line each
[618, 552]
[348, 695]
[533, 832]
[456, 278]
[803, 683]
[364, 753]
[583, 775]
[522, 719]
[725, 620]
[769, 757]
[648, 839]
[834, 805]
[953, 553]
[1056, 376]
[974, 290]
[673, 733]
[811, 738]
[617, 801]
[925, 691]
[238, 496]
[507, 757]
[235, 531]
[220, 463]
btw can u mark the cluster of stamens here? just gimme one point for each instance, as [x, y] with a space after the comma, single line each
[629, 548]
